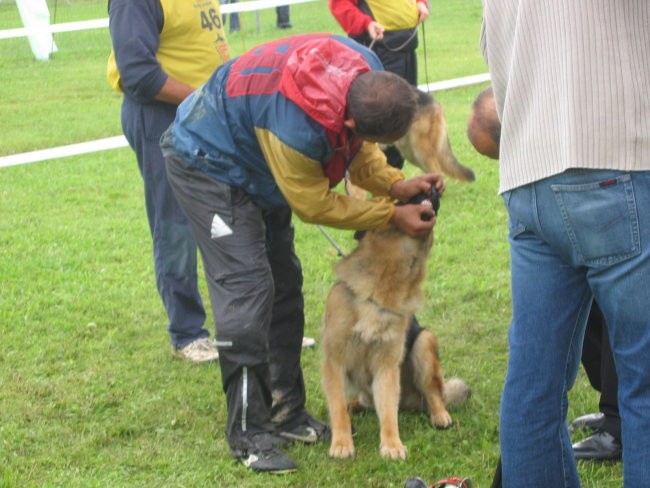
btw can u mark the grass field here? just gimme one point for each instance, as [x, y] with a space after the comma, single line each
[90, 395]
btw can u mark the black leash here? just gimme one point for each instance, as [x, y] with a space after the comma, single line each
[332, 242]
[424, 50]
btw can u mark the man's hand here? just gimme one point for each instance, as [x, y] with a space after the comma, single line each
[375, 31]
[423, 12]
[402, 190]
[409, 218]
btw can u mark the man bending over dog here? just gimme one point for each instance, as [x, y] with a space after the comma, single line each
[270, 133]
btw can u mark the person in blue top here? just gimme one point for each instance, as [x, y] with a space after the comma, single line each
[268, 135]
[162, 51]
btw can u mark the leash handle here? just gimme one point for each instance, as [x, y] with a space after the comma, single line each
[395, 49]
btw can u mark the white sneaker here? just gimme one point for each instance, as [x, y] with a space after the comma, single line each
[200, 351]
[308, 342]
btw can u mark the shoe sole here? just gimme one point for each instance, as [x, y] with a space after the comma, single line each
[179, 356]
[312, 438]
[272, 471]
[289, 438]
[278, 473]
[268, 471]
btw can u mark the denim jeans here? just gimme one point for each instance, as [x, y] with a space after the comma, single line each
[577, 236]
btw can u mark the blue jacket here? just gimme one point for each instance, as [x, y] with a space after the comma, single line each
[272, 123]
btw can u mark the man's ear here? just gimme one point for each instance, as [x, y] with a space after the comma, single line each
[350, 124]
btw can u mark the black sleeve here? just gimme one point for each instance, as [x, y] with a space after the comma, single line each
[135, 28]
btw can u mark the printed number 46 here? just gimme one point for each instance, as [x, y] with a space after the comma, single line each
[210, 19]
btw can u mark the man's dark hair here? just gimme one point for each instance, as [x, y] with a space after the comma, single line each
[382, 105]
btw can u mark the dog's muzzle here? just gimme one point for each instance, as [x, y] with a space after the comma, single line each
[431, 198]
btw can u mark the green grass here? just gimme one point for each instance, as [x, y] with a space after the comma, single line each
[90, 395]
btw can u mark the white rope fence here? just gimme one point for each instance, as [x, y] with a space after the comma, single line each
[120, 141]
[248, 6]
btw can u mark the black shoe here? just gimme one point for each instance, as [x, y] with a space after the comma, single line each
[416, 482]
[309, 431]
[264, 457]
[591, 421]
[600, 446]
[271, 461]
[284, 25]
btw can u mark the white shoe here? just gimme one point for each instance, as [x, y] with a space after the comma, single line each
[199, 351]
[308, 342]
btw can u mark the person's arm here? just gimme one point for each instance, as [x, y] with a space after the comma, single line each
[370, 171]
[174, 91]
[306, 189]
[135, 32]
[351, 19]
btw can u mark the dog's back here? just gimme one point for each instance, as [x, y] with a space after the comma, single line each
[426, 144]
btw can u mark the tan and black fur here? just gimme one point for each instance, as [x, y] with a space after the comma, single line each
[426, 144]
[367, 315]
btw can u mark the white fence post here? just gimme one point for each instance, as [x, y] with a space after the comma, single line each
[36, 19]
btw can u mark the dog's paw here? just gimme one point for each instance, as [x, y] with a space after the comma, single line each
[396, 450]
[341, 450]
[441, 420]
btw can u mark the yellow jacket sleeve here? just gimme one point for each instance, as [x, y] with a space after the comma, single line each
[306, 188]
[370, 171]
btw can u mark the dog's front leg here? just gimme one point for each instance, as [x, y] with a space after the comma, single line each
[342, 445]
[386, 391]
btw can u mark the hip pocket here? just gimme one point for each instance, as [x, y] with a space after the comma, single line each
[600, 219]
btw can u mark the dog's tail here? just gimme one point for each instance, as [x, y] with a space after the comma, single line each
[452, 167]
[456, 392]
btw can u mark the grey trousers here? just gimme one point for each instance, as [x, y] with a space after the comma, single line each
[255, 282]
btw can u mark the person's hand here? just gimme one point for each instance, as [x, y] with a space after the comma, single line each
[375, 31]
[414, 220]
[402, 190]
[423, 12]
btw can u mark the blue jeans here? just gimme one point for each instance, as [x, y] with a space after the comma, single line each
[174, 247]
[577, 236]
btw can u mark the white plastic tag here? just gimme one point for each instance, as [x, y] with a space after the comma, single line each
[219, 228]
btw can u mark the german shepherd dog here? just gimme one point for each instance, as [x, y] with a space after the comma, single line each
[426, 144]
[365, 324]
